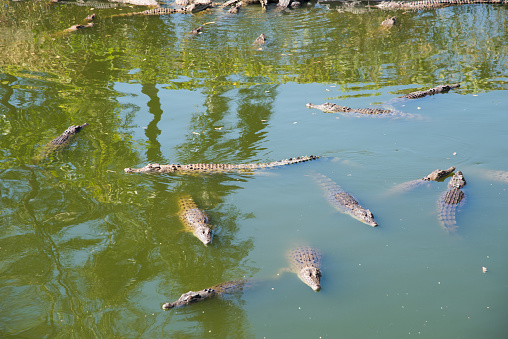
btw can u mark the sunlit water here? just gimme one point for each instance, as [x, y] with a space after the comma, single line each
[89, 251]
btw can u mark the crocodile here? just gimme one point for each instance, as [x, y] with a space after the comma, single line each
[200, 168]
[195, 220]
[196, 31]
[431, 4]
[228, 287]
[87, 22]
[450, 201]
[77, 27]
[306, 262]
[389, 22]
[192, 8]
[328, 107]
[94, 4]
[434, 176]
[283, 4]
[59, 142]
[260, 39]
[430, 91]
[343, 201]
[235, 9]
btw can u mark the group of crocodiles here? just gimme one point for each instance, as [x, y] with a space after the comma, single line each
[328, 107]
[305, 261]
[194, 6]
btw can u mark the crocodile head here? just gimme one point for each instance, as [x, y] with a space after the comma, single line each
[190, 297]
[150, 168]
[311, 276]
[365, 216]
[204, 233]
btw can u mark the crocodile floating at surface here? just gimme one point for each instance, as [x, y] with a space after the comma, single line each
[430, 91]
[228, 287]
[195, 219]
[199, 168]
[194, 7]
[260, 39]
[389, 22]
[431, 4]
[434, 176]
[60, 142]
[306, 261]
[450, 201]
[344, 202]
[328, 107]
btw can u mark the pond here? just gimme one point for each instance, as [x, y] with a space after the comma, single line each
[91, 251]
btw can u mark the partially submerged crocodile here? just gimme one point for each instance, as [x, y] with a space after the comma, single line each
[431, 4]
[194, 7]
[450, 201]
[343, 201]
[60, 142]
[228, 287]
[87, 22]
[306, 262]
[328, 107]
[430, 91]
[260, 39]
[437, 175]
[198, 168]
[389, 22]
[195, 219]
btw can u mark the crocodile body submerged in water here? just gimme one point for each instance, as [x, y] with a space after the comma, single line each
[450, 201]
[343, 201]
[431, 4]
[306, 262]
[437, 175]
[194, 7]
[200, 168]
[430, 91]
[60, 142]
[228, 287]
[328, 107]
[195, 219]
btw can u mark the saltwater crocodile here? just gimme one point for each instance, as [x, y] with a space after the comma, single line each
[228, 287]
[87, 22]
[196, 31]
[260, 39]
[195, 220]
[389, 22]
[194, 7]
[431, 4]
[328, 107]
[343, 201]
[306, 262]
[434, 176]
[199, 168]
[94, 4]
[449, 202]
[430, 91]
[235, 9]
[59, 142]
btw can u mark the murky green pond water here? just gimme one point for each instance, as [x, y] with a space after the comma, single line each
[90, 251]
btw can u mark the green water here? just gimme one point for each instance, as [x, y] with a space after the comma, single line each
[89, 251]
